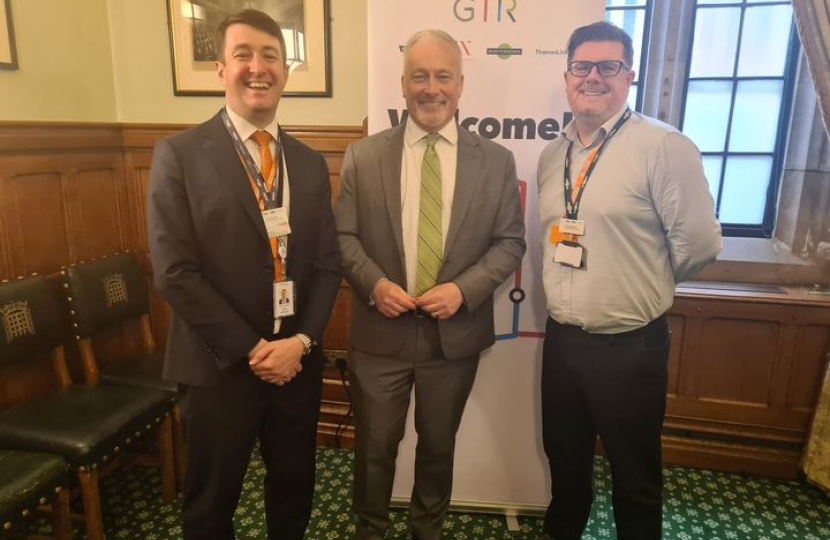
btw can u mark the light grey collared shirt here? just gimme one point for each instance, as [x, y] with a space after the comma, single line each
[649, 224]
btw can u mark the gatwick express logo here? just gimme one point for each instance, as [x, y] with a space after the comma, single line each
[486, 11]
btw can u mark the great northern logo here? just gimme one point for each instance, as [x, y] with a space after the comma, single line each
[504, 51]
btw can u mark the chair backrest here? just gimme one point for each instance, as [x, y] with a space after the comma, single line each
[105, 292]
[33, 319]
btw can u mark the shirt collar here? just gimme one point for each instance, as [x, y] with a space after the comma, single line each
[245, 129]
[414, 133]
[596, 137]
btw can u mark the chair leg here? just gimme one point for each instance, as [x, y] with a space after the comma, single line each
[168, 470]
[92, 504]
[61, 520]
[180, 455]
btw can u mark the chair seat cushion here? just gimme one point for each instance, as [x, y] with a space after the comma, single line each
[142, 370]
[27, 477]
[81, 423]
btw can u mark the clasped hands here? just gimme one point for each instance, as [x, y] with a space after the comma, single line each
[440, 302]
[277, 362]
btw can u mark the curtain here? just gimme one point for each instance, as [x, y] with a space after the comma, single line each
[817, 453]
[812, 18]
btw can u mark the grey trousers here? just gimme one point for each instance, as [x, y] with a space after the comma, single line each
[381, 387]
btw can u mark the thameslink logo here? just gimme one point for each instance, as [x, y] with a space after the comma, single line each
[504, 51]
[485, 10]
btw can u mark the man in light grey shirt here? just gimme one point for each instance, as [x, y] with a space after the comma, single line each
[626, 214]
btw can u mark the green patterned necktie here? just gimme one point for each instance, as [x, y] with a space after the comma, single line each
[430, 219]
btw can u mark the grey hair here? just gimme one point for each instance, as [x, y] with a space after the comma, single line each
[436, 34]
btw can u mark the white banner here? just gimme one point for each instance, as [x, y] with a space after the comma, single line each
[514, 59]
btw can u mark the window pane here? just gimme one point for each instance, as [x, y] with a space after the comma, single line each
[764, 41]
[711, 168]
[633, 22]
[615, 3]
[632, 96]
[704, 2]
[755, 120]
[745, 190]
[715, 42]
[707, 114]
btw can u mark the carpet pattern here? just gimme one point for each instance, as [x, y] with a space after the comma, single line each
[698, 504]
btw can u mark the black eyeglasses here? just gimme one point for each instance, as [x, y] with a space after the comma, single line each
[605, 69]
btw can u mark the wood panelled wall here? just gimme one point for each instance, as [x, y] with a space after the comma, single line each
[745, 366]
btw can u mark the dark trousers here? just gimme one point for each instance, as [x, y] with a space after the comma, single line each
[222, 424]
[381, 388]
[613, 386]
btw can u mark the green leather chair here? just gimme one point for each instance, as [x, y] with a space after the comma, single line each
[29, 480]
[88, 425]
[106, 293]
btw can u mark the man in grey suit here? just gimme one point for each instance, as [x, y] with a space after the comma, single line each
[430, 224]
[238, 213]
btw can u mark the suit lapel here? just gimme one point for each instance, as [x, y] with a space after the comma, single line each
[230, 172]
[390, 171]
[468, 172]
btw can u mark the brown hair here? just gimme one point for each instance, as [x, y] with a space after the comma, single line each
[254, 18]
[601, 31]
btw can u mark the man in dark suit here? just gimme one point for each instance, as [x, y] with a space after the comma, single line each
[237, 212]
[430, 224]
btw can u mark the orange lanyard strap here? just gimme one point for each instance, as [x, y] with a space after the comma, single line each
[573, 194]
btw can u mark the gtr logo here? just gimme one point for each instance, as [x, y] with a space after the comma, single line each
[483, 10]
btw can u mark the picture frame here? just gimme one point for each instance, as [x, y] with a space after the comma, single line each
[306, 26]
[8, 51]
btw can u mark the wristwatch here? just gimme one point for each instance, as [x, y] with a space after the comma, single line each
[307, 342]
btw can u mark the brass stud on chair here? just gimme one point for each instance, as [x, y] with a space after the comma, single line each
[42, 500]
[25, 513]
[7, 525]
[117, 449]
[58, 489]
[128, 441]
[148, 426]
[81, 469]
[94, 466]
[105, 458]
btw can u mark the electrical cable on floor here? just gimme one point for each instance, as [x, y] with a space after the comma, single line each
[344, 420]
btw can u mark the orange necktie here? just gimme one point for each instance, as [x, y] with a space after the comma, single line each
[263, 140]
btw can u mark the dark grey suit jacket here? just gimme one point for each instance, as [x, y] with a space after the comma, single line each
[212, 258]
[484, 244]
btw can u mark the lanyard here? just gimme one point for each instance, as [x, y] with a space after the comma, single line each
[271, 198]
[574, 196]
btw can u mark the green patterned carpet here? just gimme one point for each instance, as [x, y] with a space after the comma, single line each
[699, 504]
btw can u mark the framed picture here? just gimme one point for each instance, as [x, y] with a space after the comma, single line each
[8, 53]
[305, 26]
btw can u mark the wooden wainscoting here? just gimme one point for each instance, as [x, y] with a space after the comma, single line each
[745, 365]
[73, 191]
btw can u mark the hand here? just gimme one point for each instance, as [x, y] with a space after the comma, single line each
[391, 300]
[277, 362]
[441, 301]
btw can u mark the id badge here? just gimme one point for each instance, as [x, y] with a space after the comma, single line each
[575, 227]
[276, 222]
[283, 299]
[569, 254]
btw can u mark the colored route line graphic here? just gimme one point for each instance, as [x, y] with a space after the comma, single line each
[517, 295]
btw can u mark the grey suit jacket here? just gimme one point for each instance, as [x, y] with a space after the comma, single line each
[484, 244]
